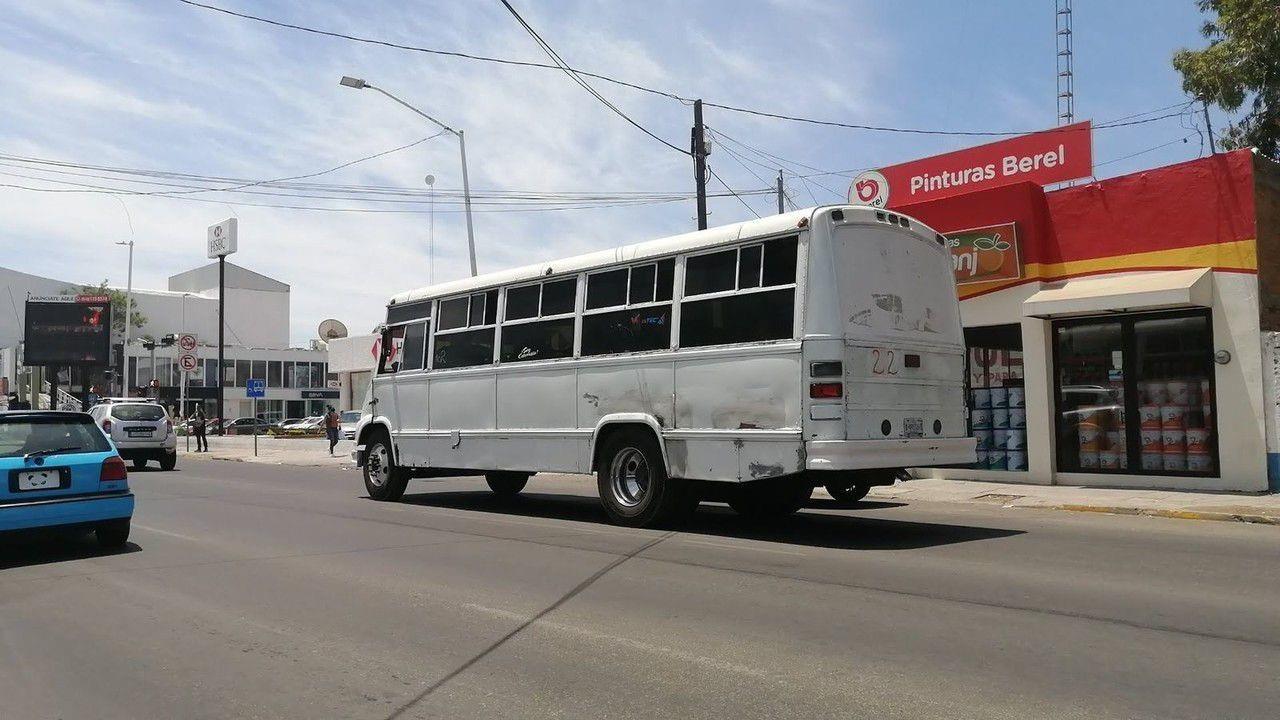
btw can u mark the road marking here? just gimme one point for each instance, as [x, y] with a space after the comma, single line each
[180, 536]
[610, 639]
[749, 548]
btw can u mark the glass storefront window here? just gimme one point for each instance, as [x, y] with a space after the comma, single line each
[1135, 395]
[997, 399]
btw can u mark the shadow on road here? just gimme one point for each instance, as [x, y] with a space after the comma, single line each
[845, 531]
[43, 547]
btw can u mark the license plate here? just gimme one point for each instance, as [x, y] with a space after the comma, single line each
[913, 427]
[39, 480]
[136, 432]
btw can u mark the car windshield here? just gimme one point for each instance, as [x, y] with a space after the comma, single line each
[27, 434]
[350, 416]
[137, 411]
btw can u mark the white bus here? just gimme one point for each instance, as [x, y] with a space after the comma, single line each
[749, 363]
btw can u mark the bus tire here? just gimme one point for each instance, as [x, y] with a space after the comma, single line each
[769, 499]
[506, 484]
[382, 479]
[633, 483]
[846, 493]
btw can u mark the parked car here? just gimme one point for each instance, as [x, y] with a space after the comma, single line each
[141, 431]
[348, 421]
[290, 422]
[62, 471]
[245, 426]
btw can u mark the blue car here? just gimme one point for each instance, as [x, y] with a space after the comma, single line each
[58, 470]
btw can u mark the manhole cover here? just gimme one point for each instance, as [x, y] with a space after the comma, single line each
[998, 498]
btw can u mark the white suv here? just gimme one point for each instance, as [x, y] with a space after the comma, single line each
[141, 430]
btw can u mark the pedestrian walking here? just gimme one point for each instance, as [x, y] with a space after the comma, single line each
[331, 424]
[198, 422]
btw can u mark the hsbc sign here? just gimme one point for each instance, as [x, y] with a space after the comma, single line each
[1047, 157]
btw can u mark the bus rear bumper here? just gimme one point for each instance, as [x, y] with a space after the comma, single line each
[868, 454]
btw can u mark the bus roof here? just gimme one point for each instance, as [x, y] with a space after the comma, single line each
[686, 242]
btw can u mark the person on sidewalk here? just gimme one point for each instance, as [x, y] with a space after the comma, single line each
[331, 424]
[198, 422]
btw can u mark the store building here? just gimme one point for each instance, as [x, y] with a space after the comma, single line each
[257, 345]
[1122, 332]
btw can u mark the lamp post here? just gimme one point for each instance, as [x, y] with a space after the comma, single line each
[359, 84]
[128, 320]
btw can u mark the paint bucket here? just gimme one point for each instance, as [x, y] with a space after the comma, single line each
[982, 397]
[1016, 440]
[1017, 397]
[1207, 412]
[1152, 461]
[1152, 440]
[1175, 461]
[1197, 440]
[981, 462]
[999, 397]
[1090, 416]
[1117, 441]
[1090, 438]
[1149, 416]
[996, 460]
[1000, 417]
[1017, 460]
[1206, 391]
[1088, 460]
[1199, 462]
[983, 438]
[1157, 392]
[1017, 417]
[999, 439]
[981, 418]
[1179, 392]
[1109, 460]
[1173, 416]
[1173, 440]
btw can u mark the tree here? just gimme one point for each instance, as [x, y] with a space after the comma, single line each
[1242, 63]
[119, 301]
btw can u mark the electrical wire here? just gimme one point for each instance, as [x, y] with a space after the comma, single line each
[655, 91]
[731, 191]
[1153, 148]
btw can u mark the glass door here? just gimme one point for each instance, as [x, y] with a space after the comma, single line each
[1174, 361]
[1092, 432]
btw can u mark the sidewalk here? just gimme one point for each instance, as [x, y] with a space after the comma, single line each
[1153, 503]
[311, 451]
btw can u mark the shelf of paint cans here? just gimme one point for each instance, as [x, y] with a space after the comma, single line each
[1176, 426]
[998, 417]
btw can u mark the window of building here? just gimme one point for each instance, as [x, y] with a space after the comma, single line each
[273, 373]
[543, 323]
[210, 373]
[318, 371]
[632, 313]
[997, 396]
[242, 372]
[289, 377]
[259, 369]
[302, 375]
[465, 337]
[1135, 394]
[164, 371]
[754, 300]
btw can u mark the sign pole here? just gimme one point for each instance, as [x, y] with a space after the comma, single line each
[222, 324]
[255, 426]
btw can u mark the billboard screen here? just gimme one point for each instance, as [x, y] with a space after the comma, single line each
[75, 330]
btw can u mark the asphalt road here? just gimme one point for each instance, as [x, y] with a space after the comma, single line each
[263, 591]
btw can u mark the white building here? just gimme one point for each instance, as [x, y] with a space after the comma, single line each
[256, 337]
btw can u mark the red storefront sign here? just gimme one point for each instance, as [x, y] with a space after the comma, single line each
[1051, 156]
[985, 254]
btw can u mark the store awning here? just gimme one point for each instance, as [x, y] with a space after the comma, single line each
[1123, 293]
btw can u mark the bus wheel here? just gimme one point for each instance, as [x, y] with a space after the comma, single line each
[382, 479]
[506, 484]
[633, 483]
[769, 500]
[846, 493]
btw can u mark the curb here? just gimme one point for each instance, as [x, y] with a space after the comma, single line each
[1172, 514]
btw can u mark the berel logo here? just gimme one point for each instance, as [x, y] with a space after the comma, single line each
[869, 188]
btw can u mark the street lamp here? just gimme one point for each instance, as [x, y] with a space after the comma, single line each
[128, 320]
[359, 84]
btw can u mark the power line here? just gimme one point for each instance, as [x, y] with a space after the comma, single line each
[731, 191]
[650, 90]
[585, 85]
[1182, 139]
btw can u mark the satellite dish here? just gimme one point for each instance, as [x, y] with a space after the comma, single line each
[430, 179]
[331, 329]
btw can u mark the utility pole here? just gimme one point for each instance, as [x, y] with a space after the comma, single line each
[222, 323]
[698, 147]
[780, 208]
[1213, 149]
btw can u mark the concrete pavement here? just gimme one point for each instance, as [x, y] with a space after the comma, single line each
[277, 591]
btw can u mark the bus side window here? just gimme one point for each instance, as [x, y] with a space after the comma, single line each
[392, 350]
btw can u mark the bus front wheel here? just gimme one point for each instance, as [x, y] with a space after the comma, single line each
[382, 479]
[506, 484]
[633, 483]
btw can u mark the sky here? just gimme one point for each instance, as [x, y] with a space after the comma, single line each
[161, 85]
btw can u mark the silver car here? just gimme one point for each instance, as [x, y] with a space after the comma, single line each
[141, 430]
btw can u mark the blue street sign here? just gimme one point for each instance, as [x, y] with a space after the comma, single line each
[255, 388]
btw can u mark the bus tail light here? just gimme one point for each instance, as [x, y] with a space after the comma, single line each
[113, 469]
[826, 390]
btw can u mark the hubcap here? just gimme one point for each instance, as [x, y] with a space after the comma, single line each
[629, 477]
[379, 465]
